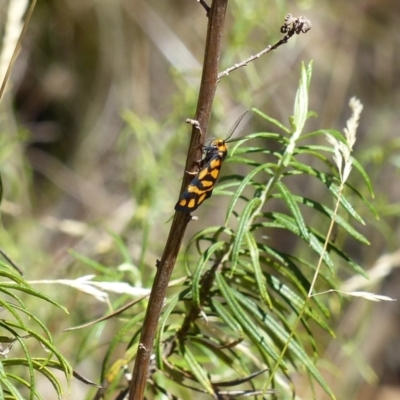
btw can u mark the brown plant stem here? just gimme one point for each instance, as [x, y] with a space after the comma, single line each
[291, 26]
[166, 265]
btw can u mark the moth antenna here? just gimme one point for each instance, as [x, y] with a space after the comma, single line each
[235, 125]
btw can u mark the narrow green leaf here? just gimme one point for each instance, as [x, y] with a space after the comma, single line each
[28, 358]
[301, 100]
[329, 181]
[22, 384]
[242, 160]
[121, 245]
[364, 175]
[345, 203]
[46, 343]
[288, 223]
[294, 209]
[276, 137]
[318, 247]
[364, 200]
[353, 265]
[103, 269]
[198, 371]
[329, 213]
[3, 377]
[258, 273]
[202, 262]
[241, 230]
[241, 187]
[33, 317]
[12, 275]
[117, 340]
[32, 292]
[283, 336]
[336, 134]
[296, 302]
[50, 377]
[272, 120]
[257, 336]
[212, 230]
[314, 149]
[231, 322]
[229, 181]
[158, 341]
[11, 309]
[250, 150]
[6, 383]
[286, 265]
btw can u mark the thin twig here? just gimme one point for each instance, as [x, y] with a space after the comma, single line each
[17, 47]
[205, 6]
[291, 26]
[165, 266]
[106, 317]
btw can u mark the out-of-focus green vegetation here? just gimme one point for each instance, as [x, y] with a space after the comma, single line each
[93, 143]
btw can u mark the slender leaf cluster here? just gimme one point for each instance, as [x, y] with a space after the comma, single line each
[245, 288]
[231, 330]
[22, 330]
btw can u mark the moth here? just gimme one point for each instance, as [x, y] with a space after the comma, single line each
[202, 185]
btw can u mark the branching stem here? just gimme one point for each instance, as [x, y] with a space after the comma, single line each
[291, 26]
[166, 265]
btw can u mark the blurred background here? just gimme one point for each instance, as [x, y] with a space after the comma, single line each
[93, 144]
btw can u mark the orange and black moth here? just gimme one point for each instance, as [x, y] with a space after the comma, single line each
[202, 185]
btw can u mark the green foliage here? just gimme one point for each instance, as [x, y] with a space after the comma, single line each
[235, 314]
[22, 332]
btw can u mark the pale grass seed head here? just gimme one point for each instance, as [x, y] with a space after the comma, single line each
[342, 151]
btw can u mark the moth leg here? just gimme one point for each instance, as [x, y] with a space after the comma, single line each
[193, 122]
[197, 163]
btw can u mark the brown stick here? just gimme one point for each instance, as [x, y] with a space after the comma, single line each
[165, 266]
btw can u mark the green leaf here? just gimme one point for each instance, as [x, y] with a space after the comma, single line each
[161, 327]
[365, 176]
[294, 209]
[288, 223]
[321, 208]
[256, 335]
[103, 269]
[301, 100]
[336, 134]
[241, 187]
[329, 181]
[5, 382]
[117, 340]
[202, 262]
[32, 292]
[242, 229]
[285, 337]
[270, 119]
[255, 262]
[231, 322]
[296, 302]
[198, 371]
[345, 203]
[241, 160]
